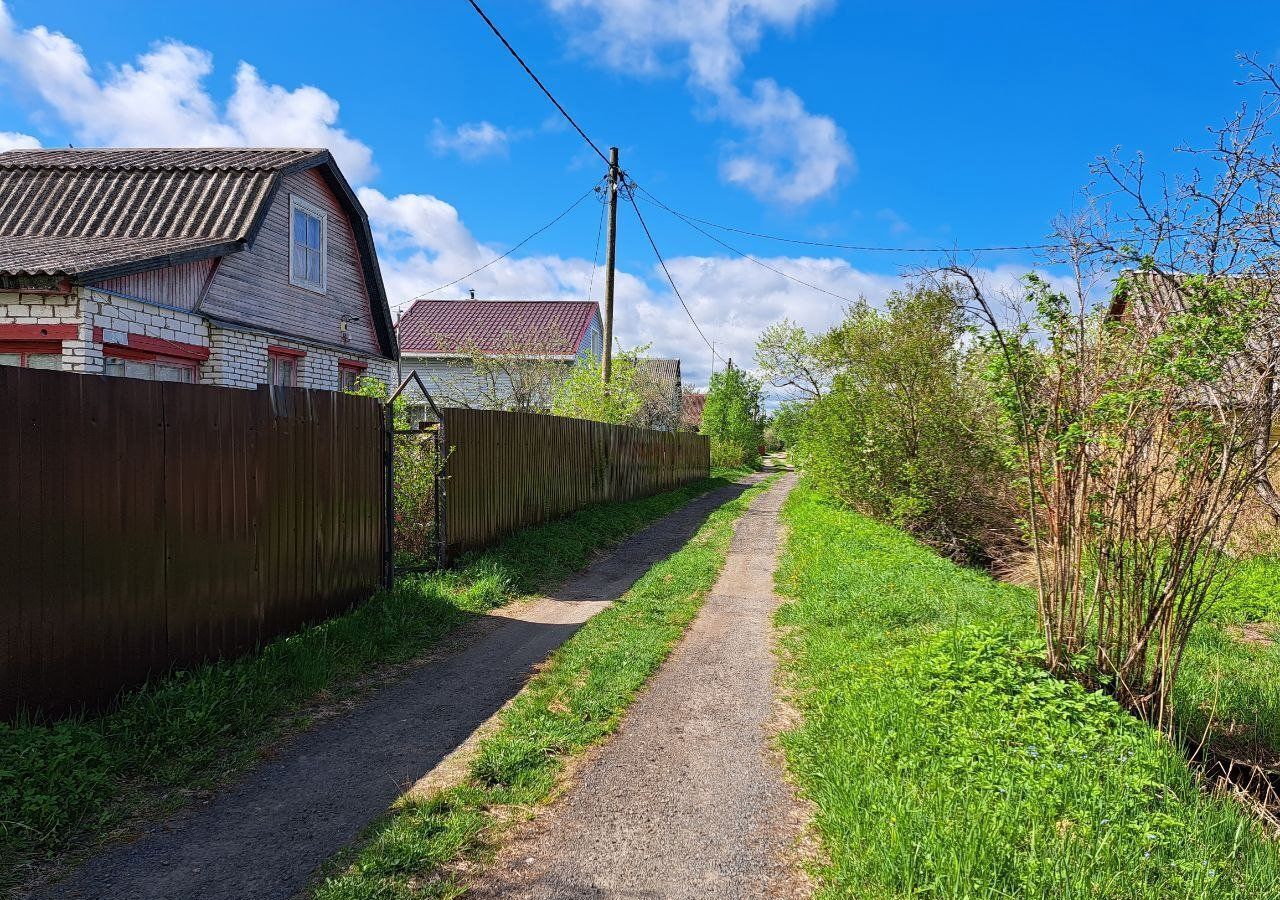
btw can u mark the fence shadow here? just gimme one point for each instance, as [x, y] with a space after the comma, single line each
[265, 836]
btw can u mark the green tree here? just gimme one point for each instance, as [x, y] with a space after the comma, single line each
[584, 395]
[732, 417]
[792, 359]
[908, 432]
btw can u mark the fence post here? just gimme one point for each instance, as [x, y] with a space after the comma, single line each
[388, 497]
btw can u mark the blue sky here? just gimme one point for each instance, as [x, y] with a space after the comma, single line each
[891, 124]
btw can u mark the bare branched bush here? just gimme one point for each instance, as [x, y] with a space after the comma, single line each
[1144, 423]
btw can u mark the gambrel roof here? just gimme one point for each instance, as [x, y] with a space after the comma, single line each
[539, 327]
[93, 214]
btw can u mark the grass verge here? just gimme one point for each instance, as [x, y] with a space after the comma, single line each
[945, 762]
[575, 701]
[68, 782]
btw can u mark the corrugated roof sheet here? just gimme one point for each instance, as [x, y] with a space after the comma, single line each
[693, 404]
[70, 212]
[665, 369]
[496, 326]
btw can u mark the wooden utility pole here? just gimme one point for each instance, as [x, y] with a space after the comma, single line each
[609, 261]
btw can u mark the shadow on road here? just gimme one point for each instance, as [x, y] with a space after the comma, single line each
[265, 836]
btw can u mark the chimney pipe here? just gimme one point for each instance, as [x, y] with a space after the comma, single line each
[473, 293]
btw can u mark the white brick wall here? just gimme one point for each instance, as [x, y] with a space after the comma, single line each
[236, 358]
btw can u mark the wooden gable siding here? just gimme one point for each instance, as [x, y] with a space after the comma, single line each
[253, 287]
[177, 286]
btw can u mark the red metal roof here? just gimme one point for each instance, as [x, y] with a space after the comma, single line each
[554, 327]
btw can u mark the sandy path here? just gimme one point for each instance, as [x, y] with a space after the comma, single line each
[264, 837]
[687, 801]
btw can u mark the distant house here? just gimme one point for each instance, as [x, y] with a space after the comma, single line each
[660, 385]
[498, 354]
[234, 267]
[691, 416]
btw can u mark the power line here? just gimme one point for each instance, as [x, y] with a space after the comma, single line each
[839, 246]
[595, 255]
[667, 272]
[503, 256]
[688, 221]
[537, 80]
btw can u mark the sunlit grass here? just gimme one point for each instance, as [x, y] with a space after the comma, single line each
[946, 763]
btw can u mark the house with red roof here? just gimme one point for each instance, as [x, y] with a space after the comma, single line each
[498, 354]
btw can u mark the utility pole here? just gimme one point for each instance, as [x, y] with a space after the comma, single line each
[610, 257]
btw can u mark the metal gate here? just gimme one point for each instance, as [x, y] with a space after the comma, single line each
[417, 444]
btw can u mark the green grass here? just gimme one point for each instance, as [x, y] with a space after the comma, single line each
[1251, 592]
[65, 783]
[946, 763]
[1229, 688]
[575, 701]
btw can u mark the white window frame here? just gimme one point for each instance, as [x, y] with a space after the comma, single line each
[296, 205]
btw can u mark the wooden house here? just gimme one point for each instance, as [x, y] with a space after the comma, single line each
[234, 267]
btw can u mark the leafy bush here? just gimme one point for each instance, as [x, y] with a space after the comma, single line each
[908, 432]
[732, 418]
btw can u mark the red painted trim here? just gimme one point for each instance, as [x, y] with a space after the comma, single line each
[168, 348]
[97, 334]
[38, 332]
[30, 347]
[118, 351]
[352, 364]
[276, 350]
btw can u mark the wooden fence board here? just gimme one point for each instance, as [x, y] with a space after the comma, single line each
[508, 470]
[146, 526]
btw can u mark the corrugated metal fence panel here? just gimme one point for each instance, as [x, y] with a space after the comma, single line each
[145, 526]
[508, 470]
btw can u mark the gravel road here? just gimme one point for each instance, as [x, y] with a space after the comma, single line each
[688, 800]
[264, 837]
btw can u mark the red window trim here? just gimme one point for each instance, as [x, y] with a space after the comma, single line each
[144, 344]
[38, 332]
[277, 350]
[25, 347]
[118, 351]
[352, 364]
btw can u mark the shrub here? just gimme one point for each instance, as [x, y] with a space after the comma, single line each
[732, 418]
[908, 432]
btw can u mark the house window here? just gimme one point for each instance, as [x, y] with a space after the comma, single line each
[31, 354]
[349, 372]
[308, 243]
[283, 363]
[121, 362]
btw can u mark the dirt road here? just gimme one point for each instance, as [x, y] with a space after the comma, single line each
[264, 837]
[687, 800]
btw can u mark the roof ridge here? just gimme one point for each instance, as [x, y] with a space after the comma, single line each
[116, 159]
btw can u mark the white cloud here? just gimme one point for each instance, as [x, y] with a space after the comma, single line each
[471, 140]
[422, 240]
[788, 154]
[160, 99]
[13, 140]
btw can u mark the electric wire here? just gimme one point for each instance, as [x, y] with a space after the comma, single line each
[662, 262]
[839, 246]
[744, 254]
[503, 256]
[537, 80]
[595, 256]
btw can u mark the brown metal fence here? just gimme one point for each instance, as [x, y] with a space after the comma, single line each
[507, 470]
[145, 525]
